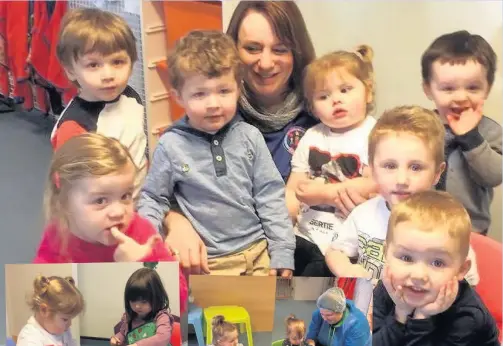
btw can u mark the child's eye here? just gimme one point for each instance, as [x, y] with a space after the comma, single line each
[92, 65]
[438, 263]
[416, 167]
[198, 95]
[119, 62]
[473, 88]
[322, 97]
[225, 91]
[406, 258]
[100, 201]
[389, 166]
[127, 196]
[346, 90]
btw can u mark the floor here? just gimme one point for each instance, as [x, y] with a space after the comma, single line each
[25, 153]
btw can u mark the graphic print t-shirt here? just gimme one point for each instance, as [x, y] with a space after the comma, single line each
[329, 157]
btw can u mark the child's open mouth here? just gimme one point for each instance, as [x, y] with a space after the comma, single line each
[415, 292]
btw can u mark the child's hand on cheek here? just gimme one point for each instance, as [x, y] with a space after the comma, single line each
[467, 121]
[444, 299]
[402, 309]
[129, 250]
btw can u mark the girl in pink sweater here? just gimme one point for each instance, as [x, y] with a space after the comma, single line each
[147, 320]
[91, 212]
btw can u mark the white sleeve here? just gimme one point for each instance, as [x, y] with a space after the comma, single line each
[300, 159]
[346, 239]
[30, 336]
[473, 274]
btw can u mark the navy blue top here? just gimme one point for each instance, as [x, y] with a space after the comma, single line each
[283, 143]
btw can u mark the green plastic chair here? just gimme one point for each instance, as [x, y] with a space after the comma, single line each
[277, 343]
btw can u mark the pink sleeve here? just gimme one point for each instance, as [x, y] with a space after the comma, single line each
[162, 336]
[121, 335]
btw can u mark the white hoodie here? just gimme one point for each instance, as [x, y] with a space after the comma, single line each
[33, 334]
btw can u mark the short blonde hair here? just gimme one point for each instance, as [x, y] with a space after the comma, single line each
[221, 328]
[413, 120]
[295, 326]
[206, 52]
[433, 211]
[86, 155]
[59, 295]
[86, 30]
[357, 63]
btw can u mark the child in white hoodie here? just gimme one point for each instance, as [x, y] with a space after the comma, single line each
[55, 302]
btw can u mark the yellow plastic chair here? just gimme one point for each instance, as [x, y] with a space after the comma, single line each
[233, 314]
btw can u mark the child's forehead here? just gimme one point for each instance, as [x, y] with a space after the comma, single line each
[458, 69]
[403, 141]
[201, 80]
[415, 237]
[96, 54]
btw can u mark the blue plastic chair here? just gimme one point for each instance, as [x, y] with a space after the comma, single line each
[196, 319]
[10, 342]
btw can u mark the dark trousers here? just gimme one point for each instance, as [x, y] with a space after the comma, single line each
[309, 261]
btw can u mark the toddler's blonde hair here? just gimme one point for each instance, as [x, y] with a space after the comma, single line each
[57, 294]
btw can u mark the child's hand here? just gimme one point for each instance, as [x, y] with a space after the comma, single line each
[284, 273]
[114, 341]
[129, 250]
[402, 309]
[444, 299]
[467, 121]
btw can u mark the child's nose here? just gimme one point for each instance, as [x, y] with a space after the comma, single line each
[419, 272]
[107, 72]
[402, 177]
[117, 210]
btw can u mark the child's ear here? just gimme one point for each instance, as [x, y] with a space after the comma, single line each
[440, 170]
[427, 90]
[70, 74]
[465, 267]
[176, 95]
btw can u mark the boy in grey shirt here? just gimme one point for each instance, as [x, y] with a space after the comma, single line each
[217, 167]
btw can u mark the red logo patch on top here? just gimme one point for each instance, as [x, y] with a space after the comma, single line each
[292, 138]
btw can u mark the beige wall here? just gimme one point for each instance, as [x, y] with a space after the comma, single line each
[399, 32]
[19, 286]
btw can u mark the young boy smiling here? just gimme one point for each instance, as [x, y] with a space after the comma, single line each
[458, 71]
[423, 298]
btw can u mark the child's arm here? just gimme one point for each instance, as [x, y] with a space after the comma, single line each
[345, 246]
[269, 196]
[162, 337]
[483, 155]
[158, 188]
[120, 337]
[386, 330]
[300, 172]
[345, 195]
[292, 203]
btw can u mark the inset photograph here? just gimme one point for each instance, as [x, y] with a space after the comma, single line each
[231, 310]
[95, 304]
[322, 311]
